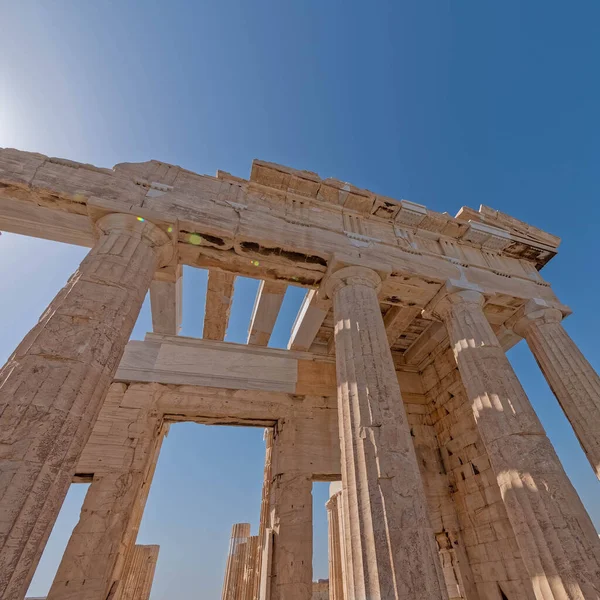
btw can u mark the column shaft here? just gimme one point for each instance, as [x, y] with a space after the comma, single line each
[336, 582]
[93, 564]
[52, 387]
[240, 532]
[551, 526]
[291, 520]
[573, 380]
[390, 549]
[264, 510]
[137, 583]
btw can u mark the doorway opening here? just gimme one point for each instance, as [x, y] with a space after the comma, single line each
[58, 540]
[207, 478]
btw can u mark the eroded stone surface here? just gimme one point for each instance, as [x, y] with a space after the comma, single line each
[52, 387]
[390, 549]
[571, 377]
[449, 488]
[558, 544]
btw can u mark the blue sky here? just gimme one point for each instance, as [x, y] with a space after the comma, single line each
[444, 103]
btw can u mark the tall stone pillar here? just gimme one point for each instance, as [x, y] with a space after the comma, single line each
[573, 380]
[291, 520]
[264, 510]
[52, 387]
[336, 580]
[249, 574]
[555, 535]
[122, 454]
[390, 550]
[234, 569]
[140, 575]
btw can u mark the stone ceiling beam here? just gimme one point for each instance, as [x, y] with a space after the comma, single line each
[219, 295]
[166, 303]
[266, 309]
[310, 317]
[397, 320]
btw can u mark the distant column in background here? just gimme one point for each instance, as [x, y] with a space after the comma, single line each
[336, 580]
[234, 569]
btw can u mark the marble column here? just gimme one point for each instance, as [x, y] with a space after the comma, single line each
[573, 380]
[250, 569]
[336, 581]
[264, 510]
[291, 520]
[390, 550]
[52, 387]
[138, 580]
[555, 535]
[234, 569]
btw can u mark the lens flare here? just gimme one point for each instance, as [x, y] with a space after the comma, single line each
[141, 219]
[195, 239]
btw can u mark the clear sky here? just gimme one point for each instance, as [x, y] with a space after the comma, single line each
[446, 103]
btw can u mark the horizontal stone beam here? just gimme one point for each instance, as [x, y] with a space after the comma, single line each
[247, 229]
[190, 361]
[269, 299]
[219, 295]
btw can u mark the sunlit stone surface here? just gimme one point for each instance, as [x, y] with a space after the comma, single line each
[395, 386]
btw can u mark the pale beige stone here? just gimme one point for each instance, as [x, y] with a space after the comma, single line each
[291, 516]
[334, 537]
[218, 304]
[390, 548]
[138, 580]
[443, 494]
[265, 507]
[234, 570]
[52, 387]
[558, 544]
[264, 314]
[121, 453]
[571, 377]
[166, 303]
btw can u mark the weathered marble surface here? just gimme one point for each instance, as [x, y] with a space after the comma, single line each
[558, 543]
[53, 386]
[390, 547]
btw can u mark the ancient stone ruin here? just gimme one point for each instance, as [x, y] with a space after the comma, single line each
[395, 382]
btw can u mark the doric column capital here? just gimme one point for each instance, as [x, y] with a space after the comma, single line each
[355, 275]
[537, 311]
[332, 503]
[153, 235]
[452, 294]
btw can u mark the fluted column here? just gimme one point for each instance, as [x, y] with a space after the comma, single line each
[390, 549]
[557, 541]
[138, 580]
[264, 510]
[234, 569]
[52, 387]
[336, 582]
[250, 569]
[573, 380]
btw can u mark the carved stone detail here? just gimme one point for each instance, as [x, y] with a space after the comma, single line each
[53, 386]
[557, 540]
[573, 380]
[390, 547]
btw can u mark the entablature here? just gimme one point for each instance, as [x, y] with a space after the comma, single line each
[287, 227]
